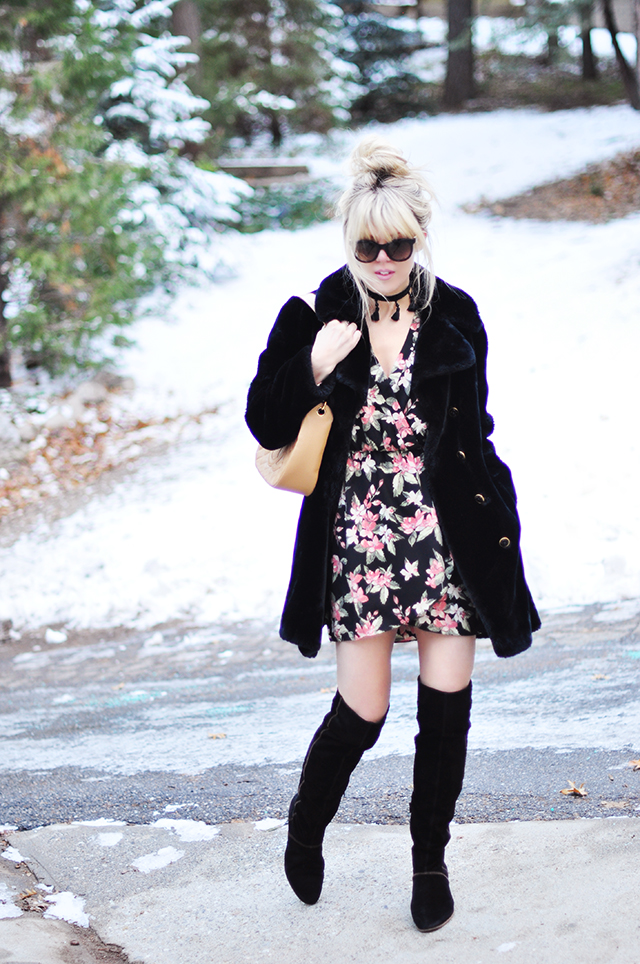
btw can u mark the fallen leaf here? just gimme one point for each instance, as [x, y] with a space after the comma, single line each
[599, 676]
[217, 736]
[611, 778]
[614, 804]
[573, 790]
[27, 893]
[326, 689]
[635, 764]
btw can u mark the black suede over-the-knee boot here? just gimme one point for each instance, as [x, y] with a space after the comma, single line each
[438, 772]
[334, 753]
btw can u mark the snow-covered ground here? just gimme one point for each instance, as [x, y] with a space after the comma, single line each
[197, 533]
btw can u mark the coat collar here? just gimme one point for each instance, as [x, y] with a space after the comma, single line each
[443, 345]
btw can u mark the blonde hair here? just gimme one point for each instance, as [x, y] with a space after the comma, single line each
[387, 199]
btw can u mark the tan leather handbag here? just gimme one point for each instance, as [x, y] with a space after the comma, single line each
[295, 467]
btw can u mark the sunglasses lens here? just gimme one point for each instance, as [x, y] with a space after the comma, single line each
[400, 249]
[367, 251]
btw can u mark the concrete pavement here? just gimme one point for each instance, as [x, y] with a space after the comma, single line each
[542, 892]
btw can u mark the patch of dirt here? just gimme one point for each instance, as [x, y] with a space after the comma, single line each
[63, 460]
[511, 81]
[81, 945]
[602, 192]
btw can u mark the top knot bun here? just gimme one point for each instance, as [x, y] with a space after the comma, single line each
[376, 157]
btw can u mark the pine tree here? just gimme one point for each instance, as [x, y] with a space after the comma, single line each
[97, 204]
[267, 66]
[378, 49]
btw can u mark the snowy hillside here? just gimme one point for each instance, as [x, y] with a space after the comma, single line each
[198, 533]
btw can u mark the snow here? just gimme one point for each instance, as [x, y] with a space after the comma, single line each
[100, 822]
[189, 830]
[66, 906]
[54, 636]
[196, 533]
[156, 861]
[10, 853]
[109, 839]
[7, 907]
[269, 823]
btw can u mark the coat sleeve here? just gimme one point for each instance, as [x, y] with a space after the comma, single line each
[497, 469]
[284, 389]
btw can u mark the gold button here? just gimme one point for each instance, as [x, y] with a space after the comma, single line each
[454, 412]
[480, 499]
[505, 542]
[461, 455]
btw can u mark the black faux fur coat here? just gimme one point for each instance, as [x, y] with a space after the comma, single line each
[470, 487]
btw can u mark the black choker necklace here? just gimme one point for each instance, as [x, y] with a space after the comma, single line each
[395, 298]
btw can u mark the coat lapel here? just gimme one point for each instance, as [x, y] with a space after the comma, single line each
[441, 349]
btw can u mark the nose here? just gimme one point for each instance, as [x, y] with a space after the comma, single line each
[383, 256]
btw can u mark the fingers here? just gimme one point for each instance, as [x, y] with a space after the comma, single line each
[339, 338]
[331, 345]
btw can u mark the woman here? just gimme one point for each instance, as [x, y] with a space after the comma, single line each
[412, 529]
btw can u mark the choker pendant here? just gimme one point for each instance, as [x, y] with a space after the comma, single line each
[377, 298]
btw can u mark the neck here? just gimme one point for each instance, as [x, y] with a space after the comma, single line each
[397, 298]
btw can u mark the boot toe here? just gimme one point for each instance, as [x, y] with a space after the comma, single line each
[431, 903]
[304, 867]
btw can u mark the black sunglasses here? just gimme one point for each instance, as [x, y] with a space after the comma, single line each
[400, 249]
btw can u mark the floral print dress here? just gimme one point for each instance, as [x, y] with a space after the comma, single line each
[391, 568]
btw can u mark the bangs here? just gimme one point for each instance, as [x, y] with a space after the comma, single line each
[380, 219]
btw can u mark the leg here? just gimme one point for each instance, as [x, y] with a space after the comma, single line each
[444, 706]
[334, 753]
[364, 674]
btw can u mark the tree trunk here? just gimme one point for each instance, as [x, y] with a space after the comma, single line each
[459, 83]
[553, 46]
[187, 22]
[589, 62]
[628, 74]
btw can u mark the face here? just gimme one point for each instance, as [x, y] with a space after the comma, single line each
[385, 275]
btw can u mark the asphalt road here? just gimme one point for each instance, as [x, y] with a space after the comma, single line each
[211, 723]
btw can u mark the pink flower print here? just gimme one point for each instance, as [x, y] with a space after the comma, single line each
[402, 426]
[402, 615]
[407, 463]
[435, 576]
[373, 544]
[446, 623]
[440, 607]
[336, 565]
[416, 523]
[369, 522]
[367, 413]
[378, 577]
[356, 593]
[369, 627]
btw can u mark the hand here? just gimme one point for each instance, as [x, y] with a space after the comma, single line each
[332, 344]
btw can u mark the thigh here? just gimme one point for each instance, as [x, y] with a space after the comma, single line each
[446, 662]
[364, 674]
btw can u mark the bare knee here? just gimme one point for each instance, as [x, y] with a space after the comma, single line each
[446, 662]
[364, 675]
